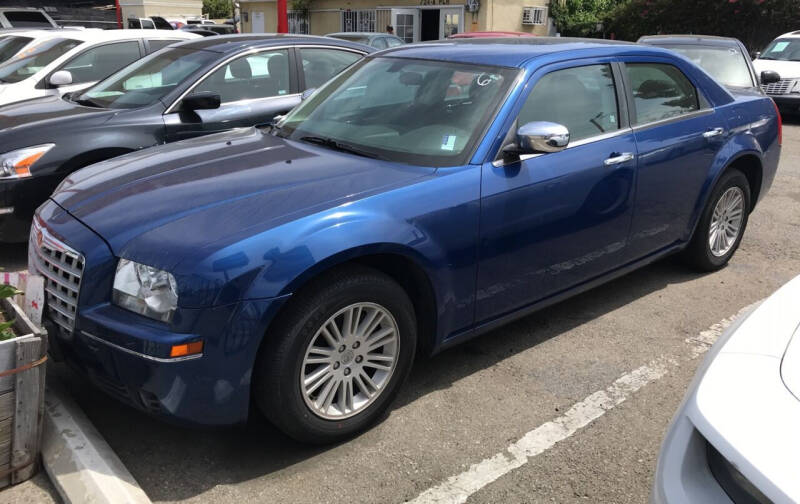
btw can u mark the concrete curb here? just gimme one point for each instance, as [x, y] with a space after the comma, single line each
[81, 465]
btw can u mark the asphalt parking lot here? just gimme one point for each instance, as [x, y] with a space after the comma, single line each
[567, 405]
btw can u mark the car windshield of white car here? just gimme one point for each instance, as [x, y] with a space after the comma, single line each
[32, 60]
[428, 113]
[148, 80]
[9, 46]
[783, 50]
[726, 64]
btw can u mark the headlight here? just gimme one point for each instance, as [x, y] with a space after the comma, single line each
[17, 164]
[145, 290]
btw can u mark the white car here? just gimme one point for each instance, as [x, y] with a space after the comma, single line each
[56, 62]
[736, 436]
[782, 55]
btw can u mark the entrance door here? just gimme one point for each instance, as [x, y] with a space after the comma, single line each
[406, 24]
[258, 22]
[451, 21]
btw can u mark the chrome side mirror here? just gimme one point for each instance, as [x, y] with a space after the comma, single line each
[541, 136]
[60, 78]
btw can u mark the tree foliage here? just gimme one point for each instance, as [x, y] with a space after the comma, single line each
[580, 18]
[754, 22]
[217, 9]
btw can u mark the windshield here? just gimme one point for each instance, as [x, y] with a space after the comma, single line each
[726, 64]
[32, 60]
[9, 46]
[148, 80]
[782, 49]
[411, 111]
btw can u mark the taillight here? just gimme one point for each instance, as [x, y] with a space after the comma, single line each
[780, 123]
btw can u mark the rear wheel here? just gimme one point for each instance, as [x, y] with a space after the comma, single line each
[722, 223]
[339, 355]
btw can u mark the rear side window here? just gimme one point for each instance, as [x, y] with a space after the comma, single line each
[583, 99]
[27, 19]
[660, 92]
[155, 45]
[99, 62]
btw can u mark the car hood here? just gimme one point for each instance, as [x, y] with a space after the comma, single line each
[39, 113]
[786, 69]
[216, 189]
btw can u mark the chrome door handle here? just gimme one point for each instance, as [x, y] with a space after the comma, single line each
[620, 158]
[713, 132]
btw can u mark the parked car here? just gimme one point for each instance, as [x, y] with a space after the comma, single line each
[13, 43]
[200, 21]
[64, 61]
[376, 40]
[25, 17]
[200, 31]
[726, 59]
[217, 29]
[782, 56]
[490, 34]
[734, 437]
[149, 23]
[186, 90]
[302, 265]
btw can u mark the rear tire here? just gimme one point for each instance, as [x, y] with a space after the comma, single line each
[315, 384]
[722, 224]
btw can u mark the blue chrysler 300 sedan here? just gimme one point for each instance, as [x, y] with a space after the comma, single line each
[423, 196]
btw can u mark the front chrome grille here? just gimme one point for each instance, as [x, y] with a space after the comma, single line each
[62, 269]
[783, 86]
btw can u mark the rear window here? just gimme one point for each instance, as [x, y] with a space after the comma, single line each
[726, 64]
[27, 19]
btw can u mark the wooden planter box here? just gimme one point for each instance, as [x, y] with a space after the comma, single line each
[21, 397]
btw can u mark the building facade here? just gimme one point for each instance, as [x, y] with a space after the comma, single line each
[413, 20]
[163, 8]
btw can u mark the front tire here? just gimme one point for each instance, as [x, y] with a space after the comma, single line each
[721, 225]
[337, 357]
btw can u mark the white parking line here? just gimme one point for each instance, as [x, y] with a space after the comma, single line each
[457, 489]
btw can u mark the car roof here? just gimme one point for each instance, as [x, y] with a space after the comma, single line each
[234, 43]
[97, 35]
[511, 51]
[709, 40]
[791, 34]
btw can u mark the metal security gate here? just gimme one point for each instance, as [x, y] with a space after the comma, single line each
[298, 22]
[358, 20]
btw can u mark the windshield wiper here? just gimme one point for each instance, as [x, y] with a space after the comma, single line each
[333, 144]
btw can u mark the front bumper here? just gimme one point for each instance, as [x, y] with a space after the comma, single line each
[127, 355]
[739, 408]
[787, 102]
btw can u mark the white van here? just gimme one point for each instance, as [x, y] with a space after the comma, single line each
[782, 55]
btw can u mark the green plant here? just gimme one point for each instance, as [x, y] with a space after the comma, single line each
[217, 9]
[582, 18]
[7, 291]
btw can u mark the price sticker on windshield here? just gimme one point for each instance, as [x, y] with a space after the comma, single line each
[448, 142]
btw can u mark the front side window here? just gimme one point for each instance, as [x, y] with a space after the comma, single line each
[10, 45]
[34, 59]
[583, 99]
[660, 92]
[401, 110]
[726, 64]
[319, 65]
[147, 80]
[782, 50]
[101, 61]
[259, 75]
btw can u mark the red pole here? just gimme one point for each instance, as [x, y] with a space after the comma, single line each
[119, 14]
[283, 17]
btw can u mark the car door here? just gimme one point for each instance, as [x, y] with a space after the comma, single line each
[678, 135]
[253, 88]
[320, 64]
[96, 63]
[552, 221]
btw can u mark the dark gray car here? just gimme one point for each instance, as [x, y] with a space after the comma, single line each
[194, 88]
